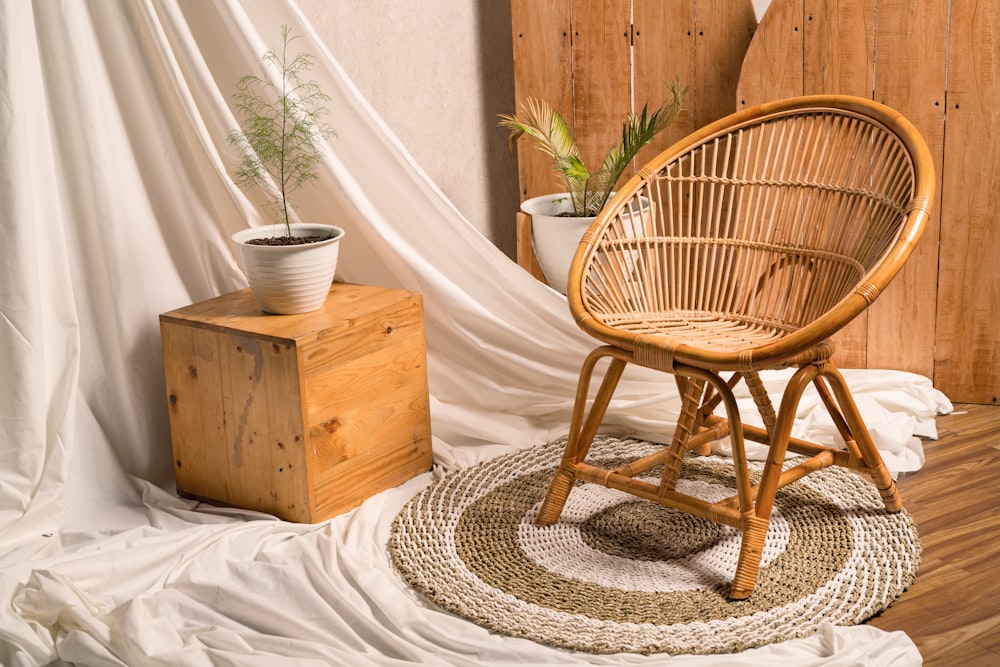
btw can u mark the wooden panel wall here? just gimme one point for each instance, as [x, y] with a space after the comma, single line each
[595, 60]
[968, 324]
[939, 318]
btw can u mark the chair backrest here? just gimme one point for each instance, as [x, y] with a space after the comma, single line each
[790, 215]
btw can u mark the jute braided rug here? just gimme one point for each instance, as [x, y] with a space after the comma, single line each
[618, 574]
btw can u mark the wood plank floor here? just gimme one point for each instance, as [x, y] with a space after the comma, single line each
[952, 611]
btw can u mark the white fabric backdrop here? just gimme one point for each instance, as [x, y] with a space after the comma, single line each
[116, 206]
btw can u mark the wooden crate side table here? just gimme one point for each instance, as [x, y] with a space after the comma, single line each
[301, 416]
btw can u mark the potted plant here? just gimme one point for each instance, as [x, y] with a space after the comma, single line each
[290, 266]
[558, 221]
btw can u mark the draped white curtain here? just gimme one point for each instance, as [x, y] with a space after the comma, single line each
[116, 206]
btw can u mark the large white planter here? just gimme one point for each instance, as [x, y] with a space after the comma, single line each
[554, 237]
[287, 280]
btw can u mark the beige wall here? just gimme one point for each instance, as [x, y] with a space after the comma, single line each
[438, 72]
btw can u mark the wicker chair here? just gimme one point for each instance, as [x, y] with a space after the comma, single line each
[753, 241]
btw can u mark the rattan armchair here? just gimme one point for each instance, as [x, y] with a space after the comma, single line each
[742, 248]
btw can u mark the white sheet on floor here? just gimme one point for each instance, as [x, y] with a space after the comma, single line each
[116, 206]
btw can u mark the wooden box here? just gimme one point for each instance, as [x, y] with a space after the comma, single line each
[300, 416]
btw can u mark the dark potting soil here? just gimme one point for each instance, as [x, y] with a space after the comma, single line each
[288, 240]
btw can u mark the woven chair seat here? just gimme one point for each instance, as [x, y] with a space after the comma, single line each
[705, 330]
[745, 247]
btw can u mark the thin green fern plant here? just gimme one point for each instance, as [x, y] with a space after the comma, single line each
[589, 191]
[281, 133]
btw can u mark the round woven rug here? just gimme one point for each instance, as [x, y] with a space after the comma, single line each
[619, 574]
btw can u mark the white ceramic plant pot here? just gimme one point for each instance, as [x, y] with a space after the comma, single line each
[555, 237]
[290, 279]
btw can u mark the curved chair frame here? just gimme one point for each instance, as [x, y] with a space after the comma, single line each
[741, 248]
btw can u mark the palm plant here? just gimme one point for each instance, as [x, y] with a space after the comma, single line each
[281, 127]
[589, 191]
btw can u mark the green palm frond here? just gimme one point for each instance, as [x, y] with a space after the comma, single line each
[590, 190]
[552, 136]
[545, 125]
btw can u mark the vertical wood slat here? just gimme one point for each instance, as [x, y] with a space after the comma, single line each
[601, 74]
[543, 66]
[664, 50]
[968, 345]
[911, 42]
[723, 32]
[827, 26]
[827, 67]
[772, 67]
[525, 251]
[702, 42]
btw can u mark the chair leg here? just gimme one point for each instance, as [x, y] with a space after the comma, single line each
[761, 399]
[861, 438]
[782, 431]
[581, 431]
[691, 392]
[753, 533]
[755, 522]
[753, 525]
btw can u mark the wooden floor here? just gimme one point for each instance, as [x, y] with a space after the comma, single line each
[952, 611]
